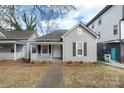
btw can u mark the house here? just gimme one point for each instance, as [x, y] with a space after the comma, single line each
[109, 24]
[76, 44]
[15, 44]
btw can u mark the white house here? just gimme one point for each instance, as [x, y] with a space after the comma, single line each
[76, 44]
[109, 24]
[15, 44]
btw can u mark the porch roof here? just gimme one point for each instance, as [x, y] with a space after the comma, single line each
[16, 42]
[54, 36]
[36, 43]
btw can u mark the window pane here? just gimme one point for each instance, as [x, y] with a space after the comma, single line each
[79, 45]
[79, 48]
[45, 49]
[12, 49]
[79, 51]
[34, 50]
[115, 28]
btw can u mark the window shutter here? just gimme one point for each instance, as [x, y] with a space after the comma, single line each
[74, 48]
[49, 49]
[39, 48]
[85, 48]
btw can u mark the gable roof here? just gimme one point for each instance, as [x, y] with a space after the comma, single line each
[81, 24]
[16, 34]
[59, 34]
[99, 14]
[52, 36]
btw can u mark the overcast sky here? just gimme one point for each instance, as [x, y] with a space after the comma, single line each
[84, 13]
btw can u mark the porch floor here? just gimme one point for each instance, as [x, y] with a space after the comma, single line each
[115, 64]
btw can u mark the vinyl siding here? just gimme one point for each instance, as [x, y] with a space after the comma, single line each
[110, 18]
[84, 37]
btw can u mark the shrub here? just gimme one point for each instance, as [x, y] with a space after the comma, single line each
[43, 61]
[69, 62]
[32, 62]
[81, 62]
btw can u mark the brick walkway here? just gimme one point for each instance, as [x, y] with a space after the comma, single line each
[53, 78]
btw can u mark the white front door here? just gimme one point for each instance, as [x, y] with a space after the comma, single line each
[56, 51]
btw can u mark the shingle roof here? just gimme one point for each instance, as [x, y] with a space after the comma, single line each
[16, 34]
[52, 36]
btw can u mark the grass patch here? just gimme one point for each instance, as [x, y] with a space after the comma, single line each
[15, 74]
[93, 75]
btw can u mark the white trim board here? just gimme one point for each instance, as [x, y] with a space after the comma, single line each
[3, 35]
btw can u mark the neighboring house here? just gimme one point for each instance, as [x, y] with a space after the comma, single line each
[15, 44]
[109, 24]
[76, 44]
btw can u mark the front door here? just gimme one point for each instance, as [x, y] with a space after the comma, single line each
[57, 52]
[113, 53]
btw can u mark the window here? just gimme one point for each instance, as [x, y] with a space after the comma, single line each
[12, 49]
[99, 35]
[79, 31]
[92, 26]
[45, 49]
[79, 49]
[85, 48]
[34, 49]
[99, 21]
[115, 29]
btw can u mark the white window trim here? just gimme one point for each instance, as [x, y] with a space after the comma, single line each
[77, 48]
[42, 51]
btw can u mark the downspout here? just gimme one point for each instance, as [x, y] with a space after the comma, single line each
[121, 58]
[120, 40]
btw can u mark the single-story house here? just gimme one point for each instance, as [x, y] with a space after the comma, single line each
[76, 44]
[15, 44]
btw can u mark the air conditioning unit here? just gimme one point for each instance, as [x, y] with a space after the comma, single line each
[107, 57]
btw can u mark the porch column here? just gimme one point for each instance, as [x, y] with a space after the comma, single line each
[14, 51]
[51, 52]
[23, 51]
[30, 53]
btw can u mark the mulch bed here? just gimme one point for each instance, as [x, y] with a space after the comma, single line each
[80, 64]
[22, 63]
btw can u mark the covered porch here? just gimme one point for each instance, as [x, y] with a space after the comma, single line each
[40, 51]
[11, 50]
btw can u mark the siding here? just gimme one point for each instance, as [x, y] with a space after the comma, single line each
[110, 18]
[5, 53]
[85, 37]
[36, 57]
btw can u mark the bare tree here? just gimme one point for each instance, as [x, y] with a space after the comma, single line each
[31, 17]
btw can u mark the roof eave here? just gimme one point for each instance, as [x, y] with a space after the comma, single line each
[93, 33]
[99, 14]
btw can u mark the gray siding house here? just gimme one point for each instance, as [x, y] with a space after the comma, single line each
[15, 44]
[109, 24]
[76, 44]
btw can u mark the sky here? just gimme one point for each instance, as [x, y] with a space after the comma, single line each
[84, 14]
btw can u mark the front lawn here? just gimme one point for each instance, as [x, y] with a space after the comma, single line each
[92, 75]
[20, 74]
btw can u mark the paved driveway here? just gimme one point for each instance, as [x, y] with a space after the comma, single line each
[53, 78]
